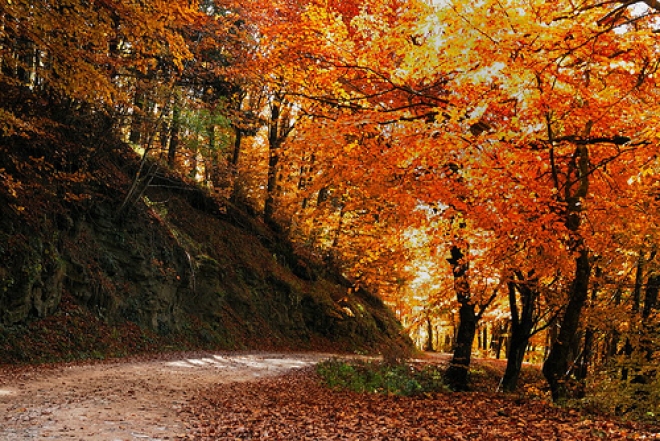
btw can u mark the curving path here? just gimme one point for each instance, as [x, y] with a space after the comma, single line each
[123, 400]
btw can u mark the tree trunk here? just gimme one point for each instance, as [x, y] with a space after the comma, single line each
[576, 188]
[306, 172]
[164, 139]
[429, 332]
[628, 348]
[613, 337]
[585, 360]
[516, 354]
[587, 356]
[338, 231]
[274, 142]
[651, 298]
[639, 281]
[499, 337]
[238, 137]
[457, 374]
[650, 329]
[522, 324]
[27, 64]
[174, 136]
[136, 119]
[556, 367]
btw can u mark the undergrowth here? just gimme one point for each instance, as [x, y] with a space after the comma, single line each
[376, 377]
[634, 398]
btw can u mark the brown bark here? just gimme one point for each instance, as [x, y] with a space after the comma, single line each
[429, 332]
[457, 373]
[174, 136]
[522, 325]
[273, 159]
[556, 367]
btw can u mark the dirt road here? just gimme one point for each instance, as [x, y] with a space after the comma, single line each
[123, 400]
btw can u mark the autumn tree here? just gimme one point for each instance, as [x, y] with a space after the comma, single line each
[83, 52]
[543, 108]
[548, 119]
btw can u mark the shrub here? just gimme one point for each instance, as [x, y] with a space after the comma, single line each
[376, 377]
[635, 398]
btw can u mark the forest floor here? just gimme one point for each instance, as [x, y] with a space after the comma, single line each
[273, 396]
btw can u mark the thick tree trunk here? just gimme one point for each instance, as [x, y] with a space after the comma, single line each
[522, 324]
[515, 356]
[457, 374]
[556, 367]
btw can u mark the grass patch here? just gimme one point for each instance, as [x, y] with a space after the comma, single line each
[401, 379]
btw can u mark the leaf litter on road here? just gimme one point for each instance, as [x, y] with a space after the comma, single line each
[297, 406]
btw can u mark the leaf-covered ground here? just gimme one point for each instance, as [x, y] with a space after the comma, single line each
[298, 407]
